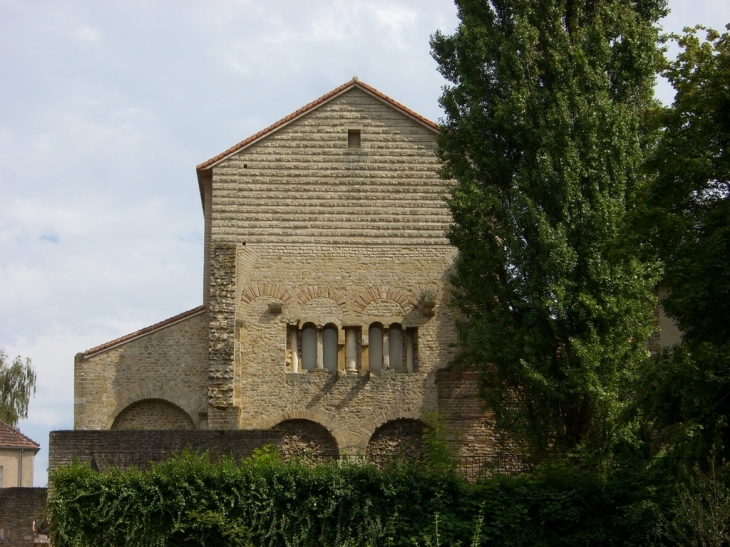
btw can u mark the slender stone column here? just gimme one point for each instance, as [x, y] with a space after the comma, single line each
[351, 349]
[294, 343]
[320, 349]
[409, 350]
[386, 349]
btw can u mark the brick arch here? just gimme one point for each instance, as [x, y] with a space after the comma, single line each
[328, 421]
[321, 311]
[252, 291]
[401, 438]
[153, 414]
[379, 418]
[309, 293]
[307, 438]
[154, 390]
[404, 299]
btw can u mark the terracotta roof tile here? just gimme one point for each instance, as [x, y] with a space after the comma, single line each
[311, 106]
[12, 438]
[146, 330]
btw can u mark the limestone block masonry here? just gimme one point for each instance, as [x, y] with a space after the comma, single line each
[325, 290]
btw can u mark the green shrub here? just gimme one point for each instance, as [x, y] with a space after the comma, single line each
[192, 501]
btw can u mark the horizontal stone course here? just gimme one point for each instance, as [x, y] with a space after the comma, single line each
[124, 449]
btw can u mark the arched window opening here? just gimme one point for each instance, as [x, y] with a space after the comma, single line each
[395, 347]
[309, 347]
[375, 351]
[330, 347]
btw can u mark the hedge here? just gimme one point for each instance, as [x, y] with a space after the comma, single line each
[264, 502]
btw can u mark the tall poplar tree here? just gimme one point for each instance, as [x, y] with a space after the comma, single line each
[544, 139]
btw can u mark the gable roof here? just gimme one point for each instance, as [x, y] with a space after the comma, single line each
[144, 331]
[354, 83]
[12, 438]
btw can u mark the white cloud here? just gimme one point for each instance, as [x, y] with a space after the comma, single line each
[88, 34]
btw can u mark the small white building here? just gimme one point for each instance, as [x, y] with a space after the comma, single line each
[17, 453]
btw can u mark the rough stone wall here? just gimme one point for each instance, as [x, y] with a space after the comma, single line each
[307, 438]
[363, 285]
[153, 414]
[222, 407]
[123, 449]
[465, 413]
[399, 439]
[19, 507]
[169, 364]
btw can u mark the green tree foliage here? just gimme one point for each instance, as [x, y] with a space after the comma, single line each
[17, 386]
[686, 392]
[544, 138]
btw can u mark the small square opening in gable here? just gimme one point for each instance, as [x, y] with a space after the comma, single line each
[353, 138]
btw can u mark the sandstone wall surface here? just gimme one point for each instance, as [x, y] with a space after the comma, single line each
[334, 235]
[169, 364]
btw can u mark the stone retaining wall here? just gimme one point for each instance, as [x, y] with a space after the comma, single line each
[19, 507]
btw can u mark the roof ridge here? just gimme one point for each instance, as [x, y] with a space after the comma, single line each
[310, 106]
[15, 431]
[142, 332]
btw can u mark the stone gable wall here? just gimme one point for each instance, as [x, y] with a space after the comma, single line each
[331, 235]
[302, 184]
[169, 364]
[301, 228]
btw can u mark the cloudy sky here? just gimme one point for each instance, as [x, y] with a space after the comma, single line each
[106, 108]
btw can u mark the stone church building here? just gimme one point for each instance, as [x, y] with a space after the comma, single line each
[324, 287]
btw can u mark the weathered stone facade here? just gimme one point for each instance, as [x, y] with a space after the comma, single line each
[168, 363]
[325, 281]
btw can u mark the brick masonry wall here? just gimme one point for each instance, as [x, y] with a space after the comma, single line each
[153, 412]
[302, 437]
[395, 440]
[465, 413]
[19, 507]
[123, 449]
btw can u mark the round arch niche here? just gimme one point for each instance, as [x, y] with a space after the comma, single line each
[307, 438]
[153, 414]
[397, 439]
